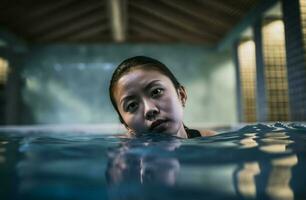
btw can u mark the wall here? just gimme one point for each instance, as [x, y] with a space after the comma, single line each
[68, 84]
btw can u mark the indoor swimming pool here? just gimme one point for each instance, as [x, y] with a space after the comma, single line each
[255, 162]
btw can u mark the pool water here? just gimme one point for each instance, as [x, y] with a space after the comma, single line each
[255, 162]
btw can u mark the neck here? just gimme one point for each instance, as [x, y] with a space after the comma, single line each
[182, 132]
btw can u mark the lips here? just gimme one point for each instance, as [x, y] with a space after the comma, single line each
[157, 123]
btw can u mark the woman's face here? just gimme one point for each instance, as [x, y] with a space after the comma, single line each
[148, 102]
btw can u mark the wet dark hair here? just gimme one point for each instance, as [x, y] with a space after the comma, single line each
[139, 62]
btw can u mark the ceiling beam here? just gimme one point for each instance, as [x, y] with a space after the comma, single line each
[225, 7]
[50, 23]
[154, 27]
[87, 34]
[174, 18]
[71, 28]
[160, 26]
[117, 10]
[205, 15]
[47, 8]
[97, 39]
[147, 34]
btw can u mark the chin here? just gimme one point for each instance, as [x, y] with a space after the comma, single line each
[165, 131]
[172, 131]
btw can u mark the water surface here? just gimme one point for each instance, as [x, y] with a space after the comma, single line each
[255, 162]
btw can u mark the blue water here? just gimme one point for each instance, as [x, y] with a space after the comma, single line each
[255, 162]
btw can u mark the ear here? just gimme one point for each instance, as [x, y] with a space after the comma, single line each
[182, 94]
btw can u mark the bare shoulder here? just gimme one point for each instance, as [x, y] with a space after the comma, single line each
[206, 133]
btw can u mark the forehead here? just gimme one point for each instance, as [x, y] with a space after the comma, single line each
[137, 79]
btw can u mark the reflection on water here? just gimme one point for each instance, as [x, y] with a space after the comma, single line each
[275, 142]
[144, 162]
[278, 183]
[255, 162]
[246, 179]
[249, 141]
[280, 175]
[2, 150]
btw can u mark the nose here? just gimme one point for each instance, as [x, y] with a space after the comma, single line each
[150, 110]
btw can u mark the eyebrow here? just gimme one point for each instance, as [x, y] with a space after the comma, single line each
[149, 85]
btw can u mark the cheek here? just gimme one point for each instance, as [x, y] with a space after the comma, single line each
[134, 121]
[173, 106]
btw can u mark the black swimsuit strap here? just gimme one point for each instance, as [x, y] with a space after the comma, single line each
[192, 133]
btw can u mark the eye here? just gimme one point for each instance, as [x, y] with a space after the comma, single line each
[131, 107]
[157, 92]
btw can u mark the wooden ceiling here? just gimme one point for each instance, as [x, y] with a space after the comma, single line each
[133, 21]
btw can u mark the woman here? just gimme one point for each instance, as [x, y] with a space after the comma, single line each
[149, 99]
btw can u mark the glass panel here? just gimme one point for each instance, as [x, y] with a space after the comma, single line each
[4, 69]
[247, 64]
[275, 70]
